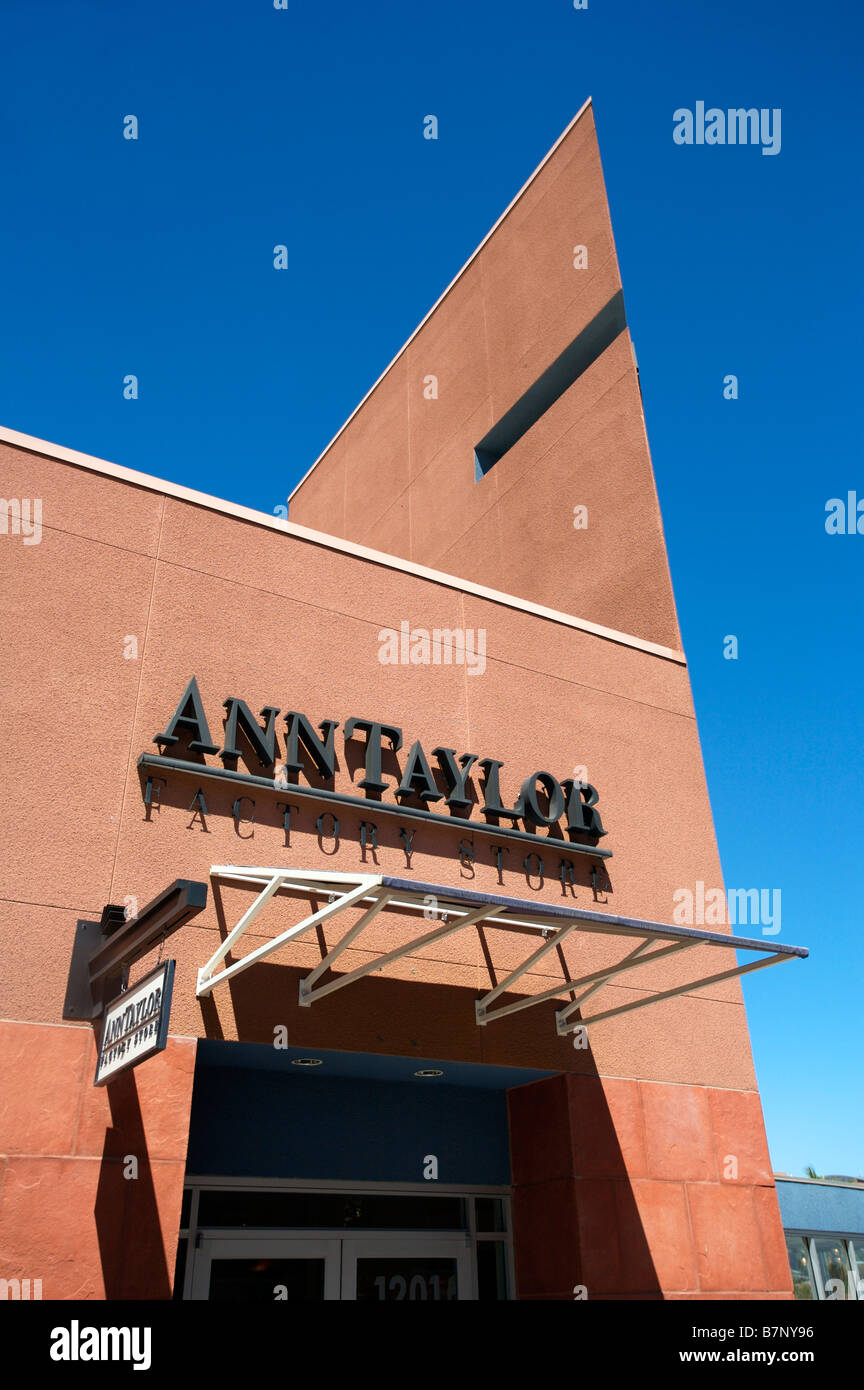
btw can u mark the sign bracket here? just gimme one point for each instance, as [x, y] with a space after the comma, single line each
[103, 951]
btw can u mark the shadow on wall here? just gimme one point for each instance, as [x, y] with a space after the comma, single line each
[577, 1229]
[126, 1212]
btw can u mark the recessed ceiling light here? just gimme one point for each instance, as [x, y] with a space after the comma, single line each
[306, 1061]
[428, 1071]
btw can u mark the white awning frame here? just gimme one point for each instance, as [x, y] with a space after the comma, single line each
[455, 909]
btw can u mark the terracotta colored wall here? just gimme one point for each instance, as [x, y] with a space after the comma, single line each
[69, 1214]
[634, 1189]
[400, 475]
[264, 616]
[261, 615]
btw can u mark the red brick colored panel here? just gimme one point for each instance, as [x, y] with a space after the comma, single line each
[678, 1136]
[87, 1231]
[724, 1297]
[599, 1237]
[606, 1128]
[137, 1223]
[546, 1239]
[47, 1230]
[774, 1250]
[560, 1296]
[539, 1131]
[653, 1217]
[656, 1297]
[152, 1117]
[727, 1238]
[40, 1080]
[739, 1133]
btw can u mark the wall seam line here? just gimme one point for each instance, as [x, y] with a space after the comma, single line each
[134, 721]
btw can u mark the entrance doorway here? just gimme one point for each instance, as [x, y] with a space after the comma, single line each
[361, 1243]
[309, 1267]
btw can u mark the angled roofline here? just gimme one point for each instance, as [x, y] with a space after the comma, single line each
[58, 452]
[854, 1184]
[509, 208]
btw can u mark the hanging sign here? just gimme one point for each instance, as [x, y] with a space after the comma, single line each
[136, 1024]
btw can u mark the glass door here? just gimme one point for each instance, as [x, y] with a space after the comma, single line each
[406, 1269]
[263, 1268]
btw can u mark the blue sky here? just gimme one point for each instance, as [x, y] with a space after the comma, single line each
[304, 127]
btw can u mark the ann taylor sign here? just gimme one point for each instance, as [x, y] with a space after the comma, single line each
[548, 813]
[136, 1024]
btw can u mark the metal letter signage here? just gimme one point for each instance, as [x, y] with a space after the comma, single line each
[136, 1024]
[565, 810]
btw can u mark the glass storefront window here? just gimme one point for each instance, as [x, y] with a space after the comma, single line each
[799, 1263]
[259, 1280]
[392, 1280]
[856, 1258]
[834, 1267]
[243, 1242]
[490, 1214]
[330, 1209]
[491, 1270]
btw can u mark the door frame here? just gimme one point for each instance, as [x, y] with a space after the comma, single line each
[191, 1234]
[246, 1244]
[340, 1253]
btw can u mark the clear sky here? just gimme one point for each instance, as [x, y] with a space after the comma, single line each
[303, 127]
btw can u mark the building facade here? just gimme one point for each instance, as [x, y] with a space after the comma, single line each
[449, 691]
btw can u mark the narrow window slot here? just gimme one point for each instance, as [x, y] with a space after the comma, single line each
[594, 339]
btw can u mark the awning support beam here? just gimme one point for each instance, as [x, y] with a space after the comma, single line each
[482, 1005]
[308, 982]
[630, 961]
[563, 1027]
[207, 980]
[308, 996]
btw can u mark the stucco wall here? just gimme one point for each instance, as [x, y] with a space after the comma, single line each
[263, 616]
[400, 474]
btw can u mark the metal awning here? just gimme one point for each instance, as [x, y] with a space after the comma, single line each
[454, 909]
